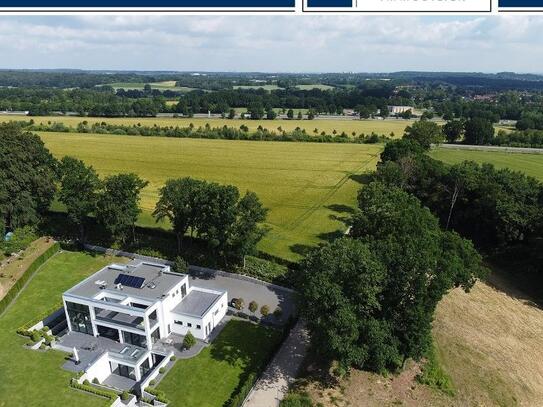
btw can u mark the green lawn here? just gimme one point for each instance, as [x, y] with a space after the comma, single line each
[531, 164]
[209, 379]
[31, 378]
[306, 186]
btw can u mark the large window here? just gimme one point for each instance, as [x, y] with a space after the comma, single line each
[107, 332]
[123, 370]
[134, 339]
[79, 316]
[183, 290]
[155, 335]
[144, 368]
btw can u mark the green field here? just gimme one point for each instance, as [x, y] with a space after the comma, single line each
[531, 164]
[306, 186]
[209, 379]
[36, 379]
[315, 86]
[348, 126]
[263, 86]
[164, 85]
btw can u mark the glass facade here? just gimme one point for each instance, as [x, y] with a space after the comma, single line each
[79, 316]
[106, 332]
[134, 339]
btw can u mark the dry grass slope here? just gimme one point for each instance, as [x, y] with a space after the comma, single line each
[491, 345]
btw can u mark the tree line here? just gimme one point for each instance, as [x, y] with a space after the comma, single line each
[369, 298]
[207, 132]
[30, 178]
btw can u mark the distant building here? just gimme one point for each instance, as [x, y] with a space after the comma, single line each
[400, 109]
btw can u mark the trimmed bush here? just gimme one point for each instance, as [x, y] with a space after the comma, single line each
[238, 303]
[93, 390]
[159, 394]
[125, 395]
[162, 370]
[189, 340]
[253, 306]
[278, 312]
[172, 358]
[152, 382]
[96, 381]
[12, 293]
[265, 310]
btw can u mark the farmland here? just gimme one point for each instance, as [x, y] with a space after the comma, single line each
[531, 164]
[385, 127]
[165, 85]
[308, 187]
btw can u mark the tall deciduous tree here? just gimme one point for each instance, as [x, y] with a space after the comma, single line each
[177, 203]
[244, 233]
[478, 131]
[79, 186]
[27, 176]
[425, 133]
[370, 301]
[117, 208]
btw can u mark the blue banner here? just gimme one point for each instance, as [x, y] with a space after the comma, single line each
[520, 3]
[329, 3]
[71, 4]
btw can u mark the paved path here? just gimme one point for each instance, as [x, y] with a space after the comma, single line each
[281, 372]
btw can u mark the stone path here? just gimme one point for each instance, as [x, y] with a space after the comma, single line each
[281, 372]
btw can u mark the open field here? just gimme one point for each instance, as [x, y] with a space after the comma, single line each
[36, 379]
[306, 186]
[263, 86]
[165, 85]
[531, 164]
[385, 127]
[315, 86]
[487, 341]
[209, 379]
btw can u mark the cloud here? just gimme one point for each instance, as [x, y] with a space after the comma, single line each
[273, 43]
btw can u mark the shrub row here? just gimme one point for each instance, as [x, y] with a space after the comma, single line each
[91, 389]
[207, 132]
[12, 293]
[159, 394]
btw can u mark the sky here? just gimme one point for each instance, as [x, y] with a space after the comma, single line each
[273, 43]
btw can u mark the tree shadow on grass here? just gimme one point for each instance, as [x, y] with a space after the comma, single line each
[365, 178]
[240, 344]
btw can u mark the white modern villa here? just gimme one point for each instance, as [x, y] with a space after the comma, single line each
[127, 312]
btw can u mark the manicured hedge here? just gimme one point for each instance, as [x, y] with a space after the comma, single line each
[159, 394]
[12, 293]
[91, 389]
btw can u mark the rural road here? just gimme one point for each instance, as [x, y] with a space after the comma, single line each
[525, 150]
[270, 389]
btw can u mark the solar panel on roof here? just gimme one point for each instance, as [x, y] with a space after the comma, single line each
[130, 281]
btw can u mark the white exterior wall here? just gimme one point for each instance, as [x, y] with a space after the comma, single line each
[168, 303]
[212, 317]
[99, 369]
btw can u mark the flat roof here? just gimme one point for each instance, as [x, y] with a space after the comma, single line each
[197, 303]
[158, 281]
